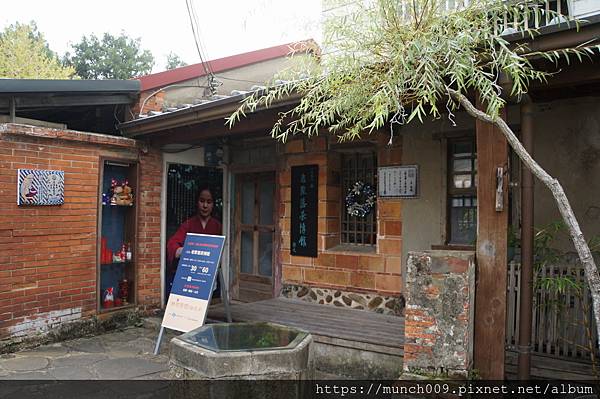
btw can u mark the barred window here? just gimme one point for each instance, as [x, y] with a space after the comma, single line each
[462, 191]
[354, 229]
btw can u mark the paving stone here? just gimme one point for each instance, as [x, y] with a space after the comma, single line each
[27, 363]
[78, 360]
[86, 345]
[142, 345]
[121, 336]
[48, 350]
[71, 373]
[118, 349]
[126, 368]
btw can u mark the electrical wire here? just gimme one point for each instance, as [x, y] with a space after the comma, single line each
[212, 81]
[240, 80]
[200, 42]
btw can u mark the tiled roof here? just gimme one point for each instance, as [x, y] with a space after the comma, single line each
[239, 94]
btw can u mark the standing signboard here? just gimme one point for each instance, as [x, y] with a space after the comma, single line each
[305, 186]
[193, 283]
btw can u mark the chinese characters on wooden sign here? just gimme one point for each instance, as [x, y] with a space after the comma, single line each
[398, 181]
[305, 185]
[40, 187]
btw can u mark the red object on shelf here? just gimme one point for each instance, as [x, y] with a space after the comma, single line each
[122, 253]
[103, 251]
[118, 302]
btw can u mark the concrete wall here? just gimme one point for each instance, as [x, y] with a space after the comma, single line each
[242, 78]
[424, 218]
[567, 145]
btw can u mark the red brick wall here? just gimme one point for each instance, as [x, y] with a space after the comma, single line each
[148, 250]
[379, 271]
[154, 103]
[48, 253]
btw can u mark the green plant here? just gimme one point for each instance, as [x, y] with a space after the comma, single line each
[513, 240]
[544, 252]
[553, 288]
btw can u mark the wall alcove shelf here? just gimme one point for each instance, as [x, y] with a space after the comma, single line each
[117, 234]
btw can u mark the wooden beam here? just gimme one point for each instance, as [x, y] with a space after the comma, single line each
[260, 123]
[490, 296]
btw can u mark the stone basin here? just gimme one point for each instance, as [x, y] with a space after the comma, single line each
[242, 351]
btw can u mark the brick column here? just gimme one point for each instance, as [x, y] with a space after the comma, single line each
[438, 332]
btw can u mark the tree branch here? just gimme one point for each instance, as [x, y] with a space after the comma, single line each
[583, 250]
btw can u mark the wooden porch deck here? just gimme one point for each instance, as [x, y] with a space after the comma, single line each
[350, 343]
[368, 337]
[321, 320]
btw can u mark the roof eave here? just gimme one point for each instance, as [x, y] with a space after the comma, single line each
[65, 86]
[198, 114]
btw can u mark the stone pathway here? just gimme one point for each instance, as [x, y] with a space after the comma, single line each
[126, 354]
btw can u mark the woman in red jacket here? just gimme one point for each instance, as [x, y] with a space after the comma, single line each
[201, 223]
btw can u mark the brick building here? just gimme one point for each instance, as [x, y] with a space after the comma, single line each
[52, 264]
[359, 262]
[50, 267]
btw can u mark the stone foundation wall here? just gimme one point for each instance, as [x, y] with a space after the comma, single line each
[440, 304]
[393, 305]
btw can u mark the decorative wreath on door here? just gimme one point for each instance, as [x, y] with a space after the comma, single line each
[360, 199]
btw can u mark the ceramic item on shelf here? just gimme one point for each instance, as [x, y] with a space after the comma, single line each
[109, 299]
[123, 290]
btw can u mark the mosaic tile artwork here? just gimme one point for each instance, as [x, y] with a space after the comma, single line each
[40, 187]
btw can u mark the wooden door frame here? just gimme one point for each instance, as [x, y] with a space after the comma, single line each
[237, 230]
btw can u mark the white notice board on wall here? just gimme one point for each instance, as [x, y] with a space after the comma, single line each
[398, 181]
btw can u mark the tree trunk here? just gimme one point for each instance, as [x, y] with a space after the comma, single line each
[583, 250]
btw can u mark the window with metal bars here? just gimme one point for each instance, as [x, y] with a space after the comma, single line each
[358, 167]
[462, 191]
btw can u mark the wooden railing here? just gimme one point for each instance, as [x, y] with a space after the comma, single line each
[545, 13]
[559, 320]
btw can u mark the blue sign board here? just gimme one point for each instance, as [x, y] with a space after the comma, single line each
[193, 282]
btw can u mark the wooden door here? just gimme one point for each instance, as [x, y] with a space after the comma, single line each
[254, 235]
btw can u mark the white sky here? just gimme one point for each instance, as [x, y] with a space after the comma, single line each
[227, 26]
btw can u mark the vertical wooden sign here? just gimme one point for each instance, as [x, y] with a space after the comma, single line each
[305, 185]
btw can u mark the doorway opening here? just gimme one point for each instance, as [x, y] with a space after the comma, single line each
[183, 183]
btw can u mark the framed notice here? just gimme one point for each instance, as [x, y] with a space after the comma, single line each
[193, 283]
[40, 187]
[398, 181]
[305, 186]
